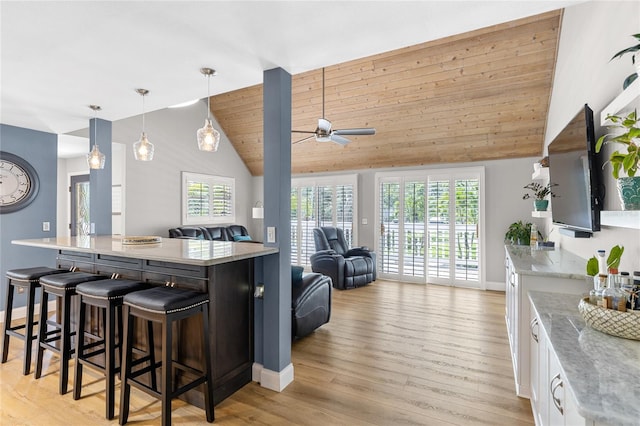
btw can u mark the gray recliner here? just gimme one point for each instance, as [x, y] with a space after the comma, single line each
[347, 267]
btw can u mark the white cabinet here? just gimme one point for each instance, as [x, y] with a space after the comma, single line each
[537, 276]
[551, 401]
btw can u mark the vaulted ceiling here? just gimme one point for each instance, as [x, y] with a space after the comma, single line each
[476, 96]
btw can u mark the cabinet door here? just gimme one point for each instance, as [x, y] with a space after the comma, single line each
[543, 378]
[556, 391]
[534, 335]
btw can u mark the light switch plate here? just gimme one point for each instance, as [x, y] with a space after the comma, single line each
[46, 226]
[364, 221]
[271, 234]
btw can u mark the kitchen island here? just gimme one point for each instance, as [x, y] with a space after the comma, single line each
[225, 270]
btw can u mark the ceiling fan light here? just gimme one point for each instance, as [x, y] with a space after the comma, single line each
[143, 149]
[96, 159]
[208, 137]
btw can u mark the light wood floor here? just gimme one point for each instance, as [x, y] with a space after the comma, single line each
[393, 354]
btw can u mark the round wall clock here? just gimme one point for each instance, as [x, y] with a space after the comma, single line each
[18, 183]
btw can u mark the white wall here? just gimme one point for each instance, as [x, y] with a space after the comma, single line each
[591, 33]
[153, 189]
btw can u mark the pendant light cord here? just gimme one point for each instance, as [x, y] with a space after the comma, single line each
[143, 113]
[208, 97]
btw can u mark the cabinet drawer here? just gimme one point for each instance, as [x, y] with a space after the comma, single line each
[182, 270]
[130, 274]
[189, 283]
[117, 261]
[69, 259]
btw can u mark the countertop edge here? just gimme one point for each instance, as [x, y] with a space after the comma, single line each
[587, 412]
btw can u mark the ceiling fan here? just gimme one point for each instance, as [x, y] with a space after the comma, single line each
[323, 132]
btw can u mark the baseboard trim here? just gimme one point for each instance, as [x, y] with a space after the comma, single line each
[21, 312]
[495, 285]
[274, 380]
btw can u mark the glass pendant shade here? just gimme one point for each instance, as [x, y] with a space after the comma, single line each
[95, 158]
[208, 137]
[143, 149]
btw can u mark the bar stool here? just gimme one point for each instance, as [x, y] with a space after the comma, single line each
[63, 286]
[29, 280]
[106, 295]
[165, 305]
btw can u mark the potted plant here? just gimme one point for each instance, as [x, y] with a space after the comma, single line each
[518, 233]
[540, 193]
[626, 132]
[635, 60]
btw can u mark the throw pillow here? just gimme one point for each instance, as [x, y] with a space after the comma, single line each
[241, 238]
[296, 274]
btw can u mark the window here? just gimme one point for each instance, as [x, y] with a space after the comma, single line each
[319, 202]
[207, 199]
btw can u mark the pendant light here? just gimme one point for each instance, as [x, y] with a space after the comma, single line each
[95, 159]
[143, 149]
[208, 137]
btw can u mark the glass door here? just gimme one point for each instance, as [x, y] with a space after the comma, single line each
[80, 222]
[429, 227]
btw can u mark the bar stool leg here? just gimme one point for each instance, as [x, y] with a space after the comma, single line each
[167, 383]
[208, 389]
[7, 321]
[65, 350]
[77, 382]
[125, 370]
[28, 332]
[152, 356]
[110, 362]
[42, 331]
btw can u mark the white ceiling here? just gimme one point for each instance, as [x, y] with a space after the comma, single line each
[59, 57]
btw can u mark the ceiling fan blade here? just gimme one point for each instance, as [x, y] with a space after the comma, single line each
[324, 125]
[303, 131]
[339, 139]
[356, 132]
[304, 139]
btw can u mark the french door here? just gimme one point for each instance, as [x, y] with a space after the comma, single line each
[429, 226]
[80, 221]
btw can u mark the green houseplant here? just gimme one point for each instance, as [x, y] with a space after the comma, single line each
[518, 233]
[540, 193]
[626, 132]
[635, 60]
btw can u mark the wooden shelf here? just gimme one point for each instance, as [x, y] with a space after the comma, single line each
[621, 218]
[536, 213]
[630, 97]
[541, 174]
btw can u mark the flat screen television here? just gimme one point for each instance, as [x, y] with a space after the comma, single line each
[575, 169]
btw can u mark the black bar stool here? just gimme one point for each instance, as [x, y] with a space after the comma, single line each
[29, 280]
[106, 295]
[165, 305]
[63, 286]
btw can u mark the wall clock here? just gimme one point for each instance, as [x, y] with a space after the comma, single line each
[19, 183]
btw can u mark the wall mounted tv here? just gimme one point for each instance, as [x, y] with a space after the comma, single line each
[576, 169]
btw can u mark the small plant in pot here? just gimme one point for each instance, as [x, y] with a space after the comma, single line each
[540, 193]
[518, 233]
[626, 131]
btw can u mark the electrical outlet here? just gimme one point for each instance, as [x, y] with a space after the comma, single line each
[93, 228]
[271, 234]
[46, 226]
[364, 221]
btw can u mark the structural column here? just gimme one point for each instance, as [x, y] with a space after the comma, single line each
[277, 369]
[100, 179]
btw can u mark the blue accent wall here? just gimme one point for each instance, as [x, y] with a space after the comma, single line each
[40, 149]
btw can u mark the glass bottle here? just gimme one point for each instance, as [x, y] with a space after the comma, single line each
[613, 297]
[533, 237]
[626, 285]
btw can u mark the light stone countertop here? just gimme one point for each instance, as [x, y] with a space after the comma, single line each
[551, 263]
[602, 371]
[175, 250]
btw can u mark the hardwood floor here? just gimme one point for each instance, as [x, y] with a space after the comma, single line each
[393, 353]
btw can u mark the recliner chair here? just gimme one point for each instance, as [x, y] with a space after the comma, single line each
[187, 232]
[348, 268]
